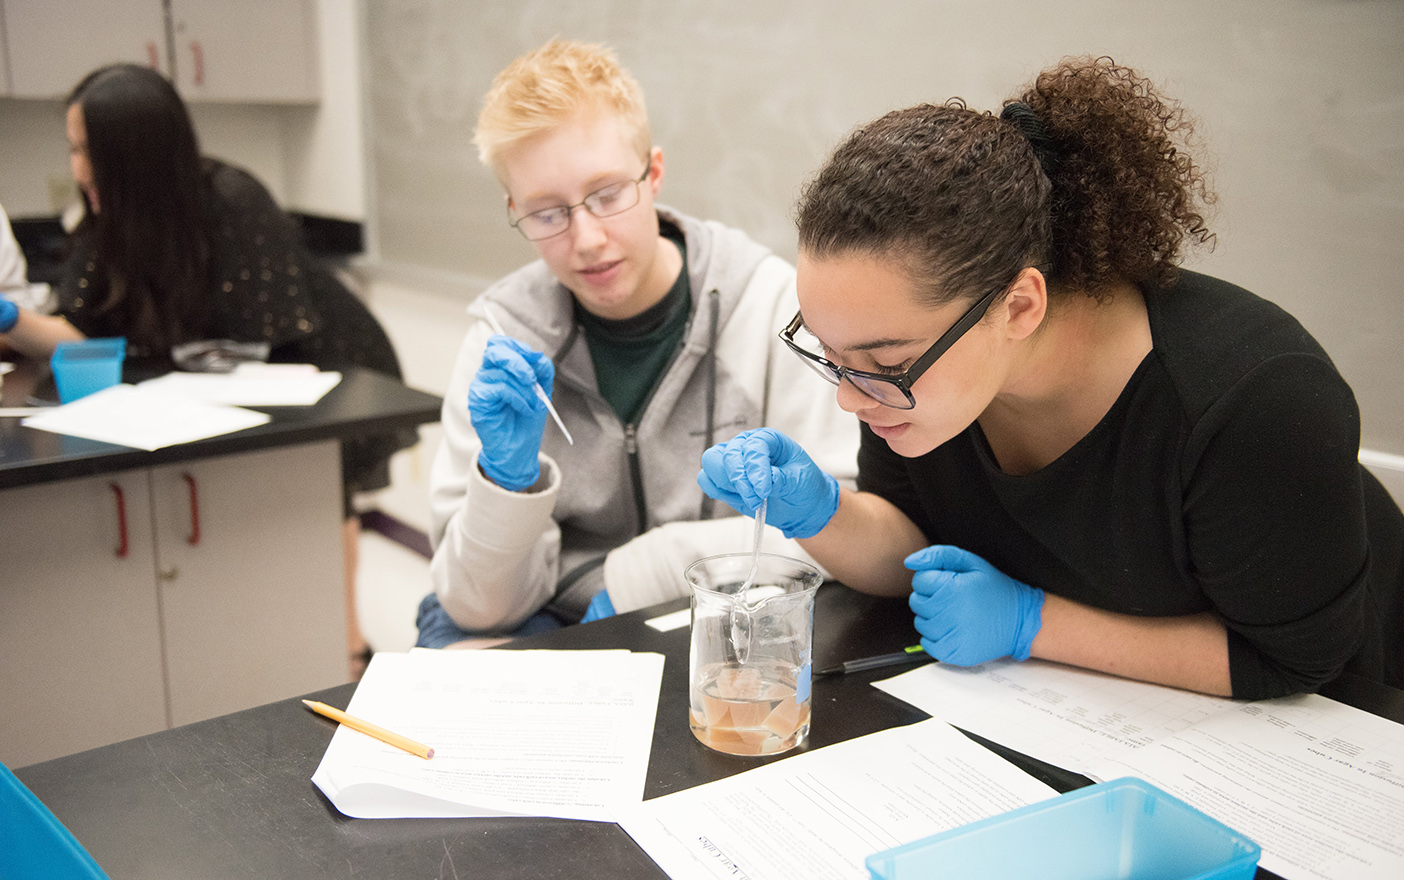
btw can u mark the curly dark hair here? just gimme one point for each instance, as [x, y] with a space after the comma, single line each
[962, 200]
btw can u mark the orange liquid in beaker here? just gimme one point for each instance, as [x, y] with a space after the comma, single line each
[748, 710]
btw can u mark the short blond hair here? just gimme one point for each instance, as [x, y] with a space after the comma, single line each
[550, 86]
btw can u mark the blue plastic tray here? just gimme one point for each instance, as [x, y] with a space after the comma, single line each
[33, 844]
[1125, 829]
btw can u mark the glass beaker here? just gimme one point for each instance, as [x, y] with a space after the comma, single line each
[750, 664]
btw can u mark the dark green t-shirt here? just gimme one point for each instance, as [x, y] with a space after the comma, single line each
[630, 355]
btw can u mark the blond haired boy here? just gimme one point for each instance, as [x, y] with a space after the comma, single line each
[655, 334]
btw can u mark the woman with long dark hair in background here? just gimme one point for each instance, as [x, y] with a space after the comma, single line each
[176, 248]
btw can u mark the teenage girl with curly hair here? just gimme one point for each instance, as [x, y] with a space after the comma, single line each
[1071, 448]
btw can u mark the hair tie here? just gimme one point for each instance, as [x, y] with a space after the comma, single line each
[1031, 127]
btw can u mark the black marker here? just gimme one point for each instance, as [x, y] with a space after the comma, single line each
[906, 655]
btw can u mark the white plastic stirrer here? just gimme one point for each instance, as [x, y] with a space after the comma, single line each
[741, 635]
[756, 534]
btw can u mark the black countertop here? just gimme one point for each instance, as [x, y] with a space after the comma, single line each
[364, 401]
[232, 798]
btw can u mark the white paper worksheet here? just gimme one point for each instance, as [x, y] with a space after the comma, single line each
[143, 418]
[252, 385]
[533, 733]
[819, 814]
[1065, 716]
[1319, 785]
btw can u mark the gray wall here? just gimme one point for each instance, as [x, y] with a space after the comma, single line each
[1301, 105]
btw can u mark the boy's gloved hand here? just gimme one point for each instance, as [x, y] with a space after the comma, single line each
[9, 315]
[506, 412]
[968, 611]
[600, 607]
[765, 464]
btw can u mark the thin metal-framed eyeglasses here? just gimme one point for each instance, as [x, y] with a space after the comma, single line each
[603, 202]
[889, 390]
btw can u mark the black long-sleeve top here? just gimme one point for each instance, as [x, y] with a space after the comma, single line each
[263, 286]
[1225, 478]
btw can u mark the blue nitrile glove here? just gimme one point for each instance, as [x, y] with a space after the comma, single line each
[506, 412]
[765, 464]
[600, 607]
[968, 611]
[9, 315]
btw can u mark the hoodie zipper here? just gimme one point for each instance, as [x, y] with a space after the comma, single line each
[631, 437]
[631, 451]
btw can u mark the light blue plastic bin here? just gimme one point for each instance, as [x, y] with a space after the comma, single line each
[33, 844]
[80, 368]
[1125, 829]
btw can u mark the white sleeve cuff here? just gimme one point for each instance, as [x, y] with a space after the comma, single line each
[649, 569]
[499, 518]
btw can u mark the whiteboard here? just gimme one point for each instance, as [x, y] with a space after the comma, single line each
[1300, 102]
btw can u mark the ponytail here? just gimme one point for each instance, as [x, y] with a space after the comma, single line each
[1126, 195]
[1084, 177]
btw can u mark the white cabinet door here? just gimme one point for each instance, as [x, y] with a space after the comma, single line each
[247, 51]
[252, 595]
[253, 50]
[80, 636]
[53, 43]
[5, 88]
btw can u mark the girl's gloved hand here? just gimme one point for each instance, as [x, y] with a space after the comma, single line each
[968, 611]
[765, 464]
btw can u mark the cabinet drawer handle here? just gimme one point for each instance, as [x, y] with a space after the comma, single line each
[197, 55]
[152, 59]
[121, 521]
[194, 538]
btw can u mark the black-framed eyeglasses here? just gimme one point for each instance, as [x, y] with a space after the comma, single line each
[603, 202]
[889, 390]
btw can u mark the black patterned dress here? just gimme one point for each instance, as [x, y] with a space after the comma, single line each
[265, 286]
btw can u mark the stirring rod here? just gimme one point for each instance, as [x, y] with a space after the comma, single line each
[540, 392]
[741, 637]
[755, 549]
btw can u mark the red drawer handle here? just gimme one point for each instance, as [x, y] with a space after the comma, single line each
[121, 521]
[194, 538]
[153, 60]
[197, 55]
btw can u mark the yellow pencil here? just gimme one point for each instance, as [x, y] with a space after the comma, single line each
[380, 733]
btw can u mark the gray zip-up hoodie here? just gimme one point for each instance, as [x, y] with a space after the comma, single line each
[621, 508]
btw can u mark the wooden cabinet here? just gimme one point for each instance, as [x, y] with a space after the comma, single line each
[229, 595]
[252, 51]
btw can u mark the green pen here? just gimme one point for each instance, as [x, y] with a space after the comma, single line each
[906, 655]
